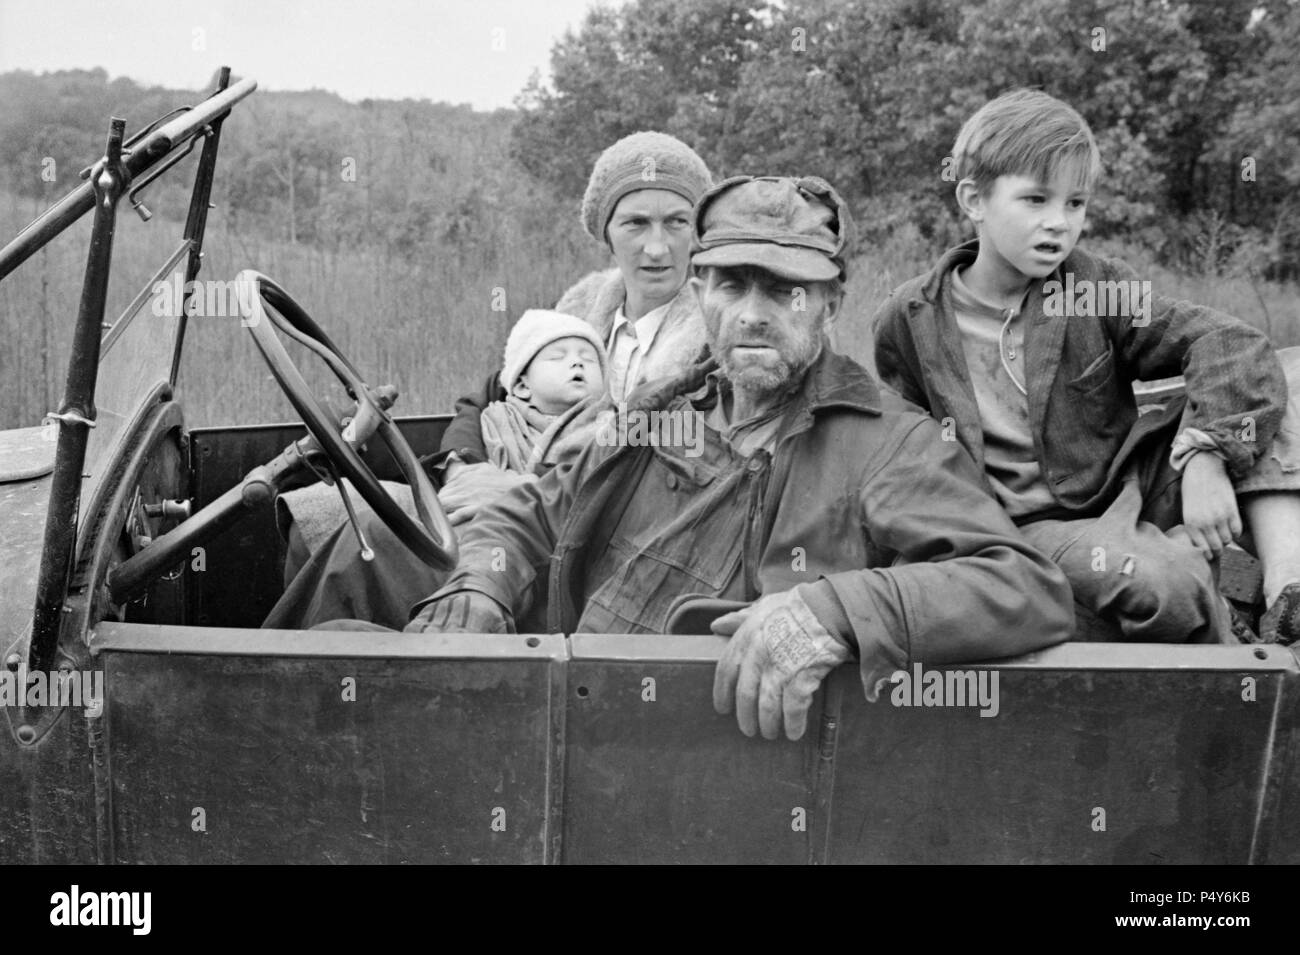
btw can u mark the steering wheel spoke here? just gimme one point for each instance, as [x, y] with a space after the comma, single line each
[266, 308]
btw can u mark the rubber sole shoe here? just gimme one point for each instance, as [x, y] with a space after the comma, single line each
[1281, 624]
[1241, 628]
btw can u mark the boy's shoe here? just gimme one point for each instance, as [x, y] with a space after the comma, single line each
[1241, 582]
[1241, 628]
[1240, 576]
[1281, 624]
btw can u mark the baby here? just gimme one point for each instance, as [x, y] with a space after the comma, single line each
[553, 363]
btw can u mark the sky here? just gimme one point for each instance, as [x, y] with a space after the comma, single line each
[479, 52]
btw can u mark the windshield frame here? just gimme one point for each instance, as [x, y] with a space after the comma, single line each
[126, 167]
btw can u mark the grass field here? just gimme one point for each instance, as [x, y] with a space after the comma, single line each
[427, 325]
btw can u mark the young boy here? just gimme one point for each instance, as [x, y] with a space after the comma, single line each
[553, 364]
[1026, 347]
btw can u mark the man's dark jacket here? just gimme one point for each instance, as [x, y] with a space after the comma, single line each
[864, 501]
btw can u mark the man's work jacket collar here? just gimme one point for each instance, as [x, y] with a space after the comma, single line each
[833, 381]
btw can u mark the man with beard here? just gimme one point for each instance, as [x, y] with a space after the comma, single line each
[832, 512]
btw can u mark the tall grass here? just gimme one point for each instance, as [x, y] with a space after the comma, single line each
[425, 324]
[432, 325]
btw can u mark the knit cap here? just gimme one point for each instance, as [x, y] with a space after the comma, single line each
[645, 160]
[536, 329]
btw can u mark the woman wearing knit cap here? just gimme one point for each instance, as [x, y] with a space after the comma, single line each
[642, 313]
[638, 204]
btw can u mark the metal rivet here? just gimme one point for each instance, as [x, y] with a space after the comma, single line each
[13, 661]
[26, 733]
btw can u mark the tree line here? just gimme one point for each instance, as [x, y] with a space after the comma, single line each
[408, 177]
[1196, 106]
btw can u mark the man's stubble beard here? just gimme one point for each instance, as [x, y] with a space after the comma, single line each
[759, 381]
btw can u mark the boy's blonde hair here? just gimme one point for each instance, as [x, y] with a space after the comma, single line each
[1024, 133]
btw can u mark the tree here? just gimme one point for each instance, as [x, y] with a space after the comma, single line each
[872, 94]
[627, 70]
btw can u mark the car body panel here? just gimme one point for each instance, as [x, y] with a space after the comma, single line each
[1097, 755]
[22, 518]
[654, 775]
[560, 742]
[328, 747]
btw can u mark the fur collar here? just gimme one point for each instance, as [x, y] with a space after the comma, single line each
[680, 342]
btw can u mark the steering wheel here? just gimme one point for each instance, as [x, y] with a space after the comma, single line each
[260, 298]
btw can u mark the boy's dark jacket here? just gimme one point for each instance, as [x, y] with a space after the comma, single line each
[1082, 411]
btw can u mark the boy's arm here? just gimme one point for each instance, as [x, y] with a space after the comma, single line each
[892, 344]
[1233, 380]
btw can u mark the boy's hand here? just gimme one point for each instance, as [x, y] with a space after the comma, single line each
[1210, 512]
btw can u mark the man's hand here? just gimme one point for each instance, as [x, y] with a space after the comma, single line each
[470, 486]
[465, 612]
[778, 655]
[1210, 512]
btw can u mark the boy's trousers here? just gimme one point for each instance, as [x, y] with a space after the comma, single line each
[1133, 565]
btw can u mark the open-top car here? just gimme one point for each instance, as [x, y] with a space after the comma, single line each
[148, 718]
